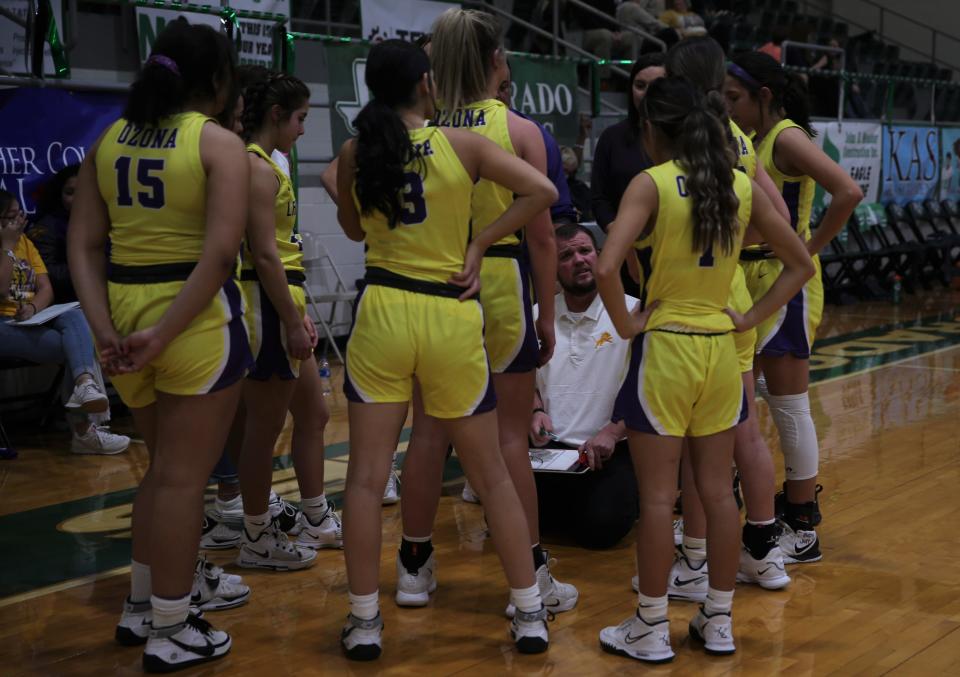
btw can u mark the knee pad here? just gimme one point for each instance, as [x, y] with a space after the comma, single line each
[798, 436]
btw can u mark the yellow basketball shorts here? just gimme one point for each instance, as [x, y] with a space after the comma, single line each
[741, 302]
[792, 329]
[399, 334]
[511, 337]
[268, 339]
[682, 385]
[210, 354]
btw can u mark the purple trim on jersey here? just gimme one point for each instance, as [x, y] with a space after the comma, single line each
[240, 359]
[529, 353]
[563, 207]
[272, 359]
[791, 195]
[744, 408]
[627, 407]
[791, 337]
[348, 389]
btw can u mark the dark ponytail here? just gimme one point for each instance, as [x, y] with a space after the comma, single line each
[683, 118]
[755, 70]
[263, 93]
[188, 62]
[384, 149]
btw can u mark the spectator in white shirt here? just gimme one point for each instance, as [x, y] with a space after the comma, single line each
[575, 397]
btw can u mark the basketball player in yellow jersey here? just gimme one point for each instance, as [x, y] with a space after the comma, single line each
[167, 186]
[688, 216]
[405, 191]
[469, 61]
[701, 61]
[763, 98]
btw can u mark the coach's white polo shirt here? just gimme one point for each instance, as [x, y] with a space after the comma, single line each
[579, 384]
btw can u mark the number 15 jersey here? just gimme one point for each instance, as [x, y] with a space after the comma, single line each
[155, 188]
[430, 240]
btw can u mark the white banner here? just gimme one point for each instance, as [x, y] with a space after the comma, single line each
[256, 46]
[13, 47]
[857, 147]
[407, 20]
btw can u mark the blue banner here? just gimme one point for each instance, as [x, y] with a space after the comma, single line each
[44, 130]
[950, 163]
[911, 164]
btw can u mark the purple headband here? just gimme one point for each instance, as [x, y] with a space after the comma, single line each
[735, 70]
[164, 61]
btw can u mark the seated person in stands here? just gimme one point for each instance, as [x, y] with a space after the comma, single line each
[25, 290]
[49, 230]
[576, 392]
[679, 17]
[579, 191]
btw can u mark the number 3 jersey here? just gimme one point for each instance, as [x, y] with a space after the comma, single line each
[155, 188]
[430, 240]
[692, 287]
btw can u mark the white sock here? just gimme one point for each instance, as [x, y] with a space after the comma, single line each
[255, 524]
[365, 607]
[526, 600]
[695, 549]
[167, 612]
[418, 539]
[718, 602]
[762, 523]
[314, 508]
[231, 505]
[140, 586]
[652, 609]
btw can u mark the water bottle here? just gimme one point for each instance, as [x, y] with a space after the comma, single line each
[897, 289]
[325, 377]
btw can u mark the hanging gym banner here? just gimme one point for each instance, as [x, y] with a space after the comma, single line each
[46, 130]
[911, 163]
[545, 89]
[950, 163]
[346, 66]
[407, 20]
[857, 147]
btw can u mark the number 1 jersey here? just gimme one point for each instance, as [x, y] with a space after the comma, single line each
[155, 188]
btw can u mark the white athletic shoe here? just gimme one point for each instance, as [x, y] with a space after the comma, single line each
[767, 572]
[214, 592]
[134, 626]
[391, 493]
[635, 638]
[229, 512]
[716, 632]
[179, 646]
[529, 631]
[678, 531]
[415, 589]
[273, 550]
[687, 581]
[88, 397]
[468, 494]
[799, 547]
[210, 569]
[557, 597]
[99, 440]
[327, 533]
[215, 535]
[283, 513]
[361, 640]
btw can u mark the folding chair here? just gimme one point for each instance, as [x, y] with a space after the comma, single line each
[319, 264]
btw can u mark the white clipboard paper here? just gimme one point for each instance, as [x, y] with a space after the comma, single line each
[47, 314]
[557, 461]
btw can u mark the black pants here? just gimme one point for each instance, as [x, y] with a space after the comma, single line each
[595, 509]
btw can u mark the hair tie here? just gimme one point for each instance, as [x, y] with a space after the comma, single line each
[742, 75]
[165, 62]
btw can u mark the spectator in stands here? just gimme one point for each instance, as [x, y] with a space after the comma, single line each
[25, 290]
[773, 46]
[575, 395]
[679, 17]
[642, 14]
[598, 36]
[49, 232]
[579, 191]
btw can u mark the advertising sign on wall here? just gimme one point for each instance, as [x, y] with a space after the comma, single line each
[911, 163]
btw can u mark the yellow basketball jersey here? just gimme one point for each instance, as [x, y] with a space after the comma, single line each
[746, 155]
[431, 239]
[289, 244]
[797, 191]
[487, 118]
[155, 188]
[693, 288]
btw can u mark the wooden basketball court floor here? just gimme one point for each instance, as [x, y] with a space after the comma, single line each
[884, 600]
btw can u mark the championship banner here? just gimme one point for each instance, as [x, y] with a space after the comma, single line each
[346, 65]
[44, 130]
[546, 90]
[950, 163]
[14, 52]
[855, 146]
[407, 20]
[911, 163]
[256, 44]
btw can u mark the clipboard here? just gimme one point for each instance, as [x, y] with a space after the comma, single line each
[564, 461]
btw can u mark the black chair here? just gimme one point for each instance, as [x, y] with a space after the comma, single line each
[843, 264]
[884, 260]
[48, 400]
[927, 260]
[951, 210]
[933, 227]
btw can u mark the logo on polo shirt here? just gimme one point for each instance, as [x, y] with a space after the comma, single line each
[605, 337]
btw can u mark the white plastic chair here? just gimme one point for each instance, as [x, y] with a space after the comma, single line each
[318, 264]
